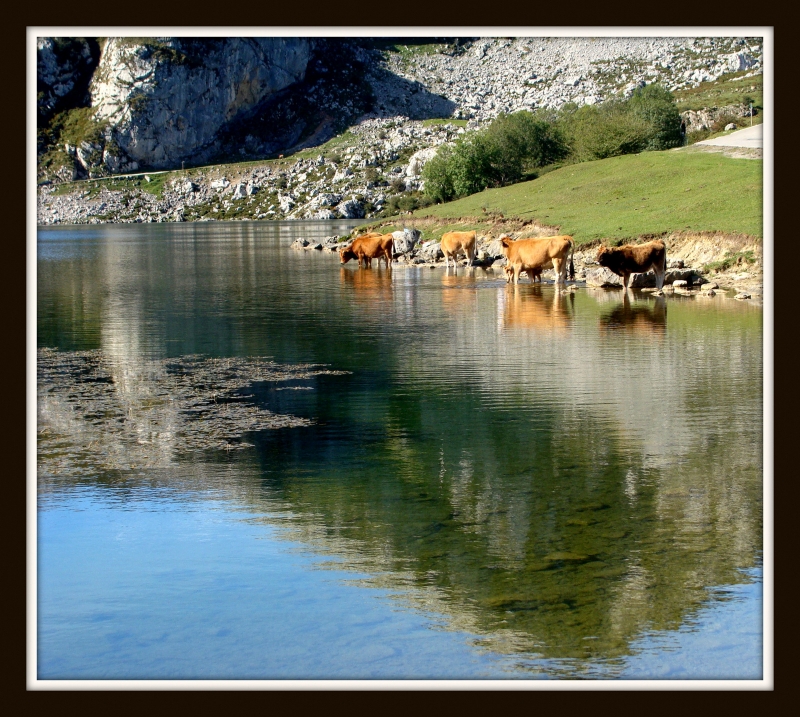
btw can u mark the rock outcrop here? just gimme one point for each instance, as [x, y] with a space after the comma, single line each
[158, 101]
[165, 101]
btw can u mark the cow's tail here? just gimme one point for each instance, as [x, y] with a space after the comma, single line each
[571, 264]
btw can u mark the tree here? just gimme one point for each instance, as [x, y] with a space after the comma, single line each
[656, 106]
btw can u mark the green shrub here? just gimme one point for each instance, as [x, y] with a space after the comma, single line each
[729, 260]
[656, 106]
[602, 131]
[514, 146]
[437, 176]
[405, 203]
[499, 155]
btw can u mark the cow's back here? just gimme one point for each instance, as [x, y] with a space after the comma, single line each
[528, 252]
[559, 246]
[366, 244]
[452, 241]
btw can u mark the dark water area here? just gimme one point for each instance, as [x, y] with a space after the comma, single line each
[472, 480]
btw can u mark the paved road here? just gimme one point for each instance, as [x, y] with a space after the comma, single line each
[747, 137]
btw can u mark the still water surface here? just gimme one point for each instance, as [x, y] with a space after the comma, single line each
[452, 477]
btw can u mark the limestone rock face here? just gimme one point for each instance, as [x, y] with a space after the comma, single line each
[63, 67]
[166, 100]
[405, 240]
[419, 159]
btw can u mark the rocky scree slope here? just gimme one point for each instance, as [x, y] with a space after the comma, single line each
[168, 98]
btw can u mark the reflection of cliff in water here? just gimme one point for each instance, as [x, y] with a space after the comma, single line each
[513, 457]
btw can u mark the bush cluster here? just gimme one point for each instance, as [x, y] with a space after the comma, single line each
[515, 146]
[503, 153]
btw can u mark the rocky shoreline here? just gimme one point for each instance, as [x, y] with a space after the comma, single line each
[688, 261]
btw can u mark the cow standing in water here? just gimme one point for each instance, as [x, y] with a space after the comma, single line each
[368, 247]
[533, 255]
[455, 243]
[635, 259]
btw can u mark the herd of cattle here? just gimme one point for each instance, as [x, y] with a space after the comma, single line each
[528, 255]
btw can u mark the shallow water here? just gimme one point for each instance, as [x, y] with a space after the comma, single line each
[473, 479]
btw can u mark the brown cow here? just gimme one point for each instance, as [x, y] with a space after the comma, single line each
[455, 243]
[533, 273]
[635, 259]
[533, 255]
[366, 248]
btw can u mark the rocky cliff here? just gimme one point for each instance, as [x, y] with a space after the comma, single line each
[152, 103]
[166, 102]
[147, 103]
[156, 102]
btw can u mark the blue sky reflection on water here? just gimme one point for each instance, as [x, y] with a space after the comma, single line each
[149, 591]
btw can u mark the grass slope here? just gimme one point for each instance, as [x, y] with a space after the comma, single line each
[630, 196]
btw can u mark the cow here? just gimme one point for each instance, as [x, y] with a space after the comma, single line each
[635, 259]
[533, 273]
[455, 243]
[366, 248]
[532, 255]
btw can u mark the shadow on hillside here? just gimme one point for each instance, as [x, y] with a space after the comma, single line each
[343, 82]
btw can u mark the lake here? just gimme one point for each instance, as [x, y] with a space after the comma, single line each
[255, 463]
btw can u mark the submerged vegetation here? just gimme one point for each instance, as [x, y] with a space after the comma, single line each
[192, 404]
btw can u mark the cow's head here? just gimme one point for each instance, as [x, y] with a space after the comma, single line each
[508, 270]
[346, 254]
[505, 242]
[603, 257]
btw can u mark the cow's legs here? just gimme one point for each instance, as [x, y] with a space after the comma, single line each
[517, 269]
[625, 279]
[659, 272]
[558, 269]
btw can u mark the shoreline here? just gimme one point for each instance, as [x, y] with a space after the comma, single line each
[732, 262]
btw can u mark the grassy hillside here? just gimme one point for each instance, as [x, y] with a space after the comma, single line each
[626, 197]
[730, 89]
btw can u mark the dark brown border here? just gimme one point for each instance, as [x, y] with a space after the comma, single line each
[406, 14]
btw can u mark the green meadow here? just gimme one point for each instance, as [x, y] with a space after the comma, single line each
[685, 190]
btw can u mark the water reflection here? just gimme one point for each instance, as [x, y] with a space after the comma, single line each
[458, 291]
[528, 307]
[647, 318]
[515, 457]
[368, 285]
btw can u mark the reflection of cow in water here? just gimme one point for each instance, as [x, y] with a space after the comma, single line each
[459, 292]
[368, 285]
[531, 307]
[646, 317]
